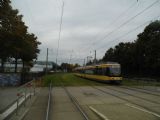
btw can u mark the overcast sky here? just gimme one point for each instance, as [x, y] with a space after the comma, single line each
[87, 25]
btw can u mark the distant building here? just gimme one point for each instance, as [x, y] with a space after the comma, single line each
[38, 66]
[10, 67]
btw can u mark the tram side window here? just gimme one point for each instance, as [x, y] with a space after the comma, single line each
[103, 71]
[96, 71]
[107, 72]
[89, 71]
[99, 71]
[80, 71]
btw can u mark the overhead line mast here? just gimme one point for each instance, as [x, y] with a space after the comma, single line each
[59, 36]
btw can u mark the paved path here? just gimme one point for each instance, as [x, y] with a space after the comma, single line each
[7, 96]
[115, 103]
[38, 109]
[115, 108]
[62, 106]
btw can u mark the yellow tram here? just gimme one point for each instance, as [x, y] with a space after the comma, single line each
[109, 72]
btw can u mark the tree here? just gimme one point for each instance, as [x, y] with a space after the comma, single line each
[5, 33]
[141, 56]
[30, 49]
[109, 55]
[148, 48]
[68, 67]
[15, 40]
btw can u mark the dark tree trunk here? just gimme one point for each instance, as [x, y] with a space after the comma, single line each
[15, 70]
[23, 65]
[23, 73]
[2, 66]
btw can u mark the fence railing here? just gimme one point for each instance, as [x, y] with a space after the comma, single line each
[24, 92]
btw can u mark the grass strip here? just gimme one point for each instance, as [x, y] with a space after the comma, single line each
[68, 79]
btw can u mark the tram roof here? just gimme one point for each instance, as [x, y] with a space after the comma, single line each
[98, 66]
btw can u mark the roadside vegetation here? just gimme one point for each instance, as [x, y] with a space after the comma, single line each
[141, 57]
[68, 79]
[17, 43]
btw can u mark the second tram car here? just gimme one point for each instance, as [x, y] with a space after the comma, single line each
[109, 72]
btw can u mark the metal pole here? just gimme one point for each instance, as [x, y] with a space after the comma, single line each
[95, 57]
[87, 60]
[70, 57]
[47, 62]
[48, 106]
[25, 97]
[30, 92]
[34, 86]
[59, 36]
[17, 106]
[84, 63]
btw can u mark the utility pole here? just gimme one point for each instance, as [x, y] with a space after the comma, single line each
[84, 62]
[47, 62]
[70, 57]
[59, 35]
[95, 57]
[87, 59]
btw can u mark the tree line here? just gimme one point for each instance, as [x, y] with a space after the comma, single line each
[15, 40]
[66, 67]
[141, 57]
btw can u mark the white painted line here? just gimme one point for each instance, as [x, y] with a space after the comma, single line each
[98, 113]
[144, 110]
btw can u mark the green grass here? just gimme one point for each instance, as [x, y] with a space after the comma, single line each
[68, 79]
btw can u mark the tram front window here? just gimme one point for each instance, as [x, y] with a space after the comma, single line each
[115, 71]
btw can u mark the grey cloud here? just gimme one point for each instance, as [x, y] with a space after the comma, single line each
[85, 23]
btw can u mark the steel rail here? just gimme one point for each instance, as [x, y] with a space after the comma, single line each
[75, 102]
[156, 91]
[49, 101]
[129, 101]
[141, 90]
[148, 100]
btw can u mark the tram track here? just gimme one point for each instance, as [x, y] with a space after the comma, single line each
[152, 101]
[49, 102]
[75, 102]
[141, 90]
[125, 99]
[148, 89]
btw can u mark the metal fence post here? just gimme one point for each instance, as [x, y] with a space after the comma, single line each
[17, 105]
[34, 86]
[25, 96]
